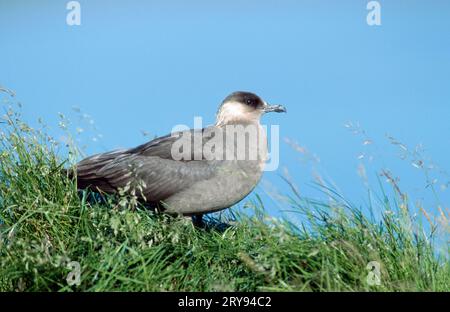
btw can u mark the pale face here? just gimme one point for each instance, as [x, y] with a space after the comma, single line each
[236, 112]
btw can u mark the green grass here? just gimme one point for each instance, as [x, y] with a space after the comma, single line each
[46, 224]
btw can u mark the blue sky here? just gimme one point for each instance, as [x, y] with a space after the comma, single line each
[133, 66]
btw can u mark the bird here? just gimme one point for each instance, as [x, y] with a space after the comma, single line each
[190, 172]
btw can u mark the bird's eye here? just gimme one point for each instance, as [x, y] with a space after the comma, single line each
[249, 102]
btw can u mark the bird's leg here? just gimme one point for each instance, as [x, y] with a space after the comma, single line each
[197, 220]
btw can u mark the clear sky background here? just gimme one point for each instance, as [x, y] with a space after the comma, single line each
[137, 67]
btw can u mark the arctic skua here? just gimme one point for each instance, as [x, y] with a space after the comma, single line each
[190, 172]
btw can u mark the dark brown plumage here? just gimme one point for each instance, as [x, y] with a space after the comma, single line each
[151, 162]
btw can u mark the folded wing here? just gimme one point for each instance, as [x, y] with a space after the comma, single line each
[150, 165]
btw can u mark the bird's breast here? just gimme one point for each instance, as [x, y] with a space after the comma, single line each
[238, 169]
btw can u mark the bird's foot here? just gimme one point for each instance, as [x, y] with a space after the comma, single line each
[197, 221]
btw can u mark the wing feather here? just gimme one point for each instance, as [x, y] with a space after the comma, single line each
[150, 163]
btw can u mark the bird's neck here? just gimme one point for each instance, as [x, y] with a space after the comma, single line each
[222, 123]
[245, 131]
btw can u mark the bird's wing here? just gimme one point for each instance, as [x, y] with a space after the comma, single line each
[162, 147]
[150, 165]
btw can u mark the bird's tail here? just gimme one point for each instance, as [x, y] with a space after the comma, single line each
[86, 171]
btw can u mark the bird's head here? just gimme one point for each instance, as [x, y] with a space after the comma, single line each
[244, 107]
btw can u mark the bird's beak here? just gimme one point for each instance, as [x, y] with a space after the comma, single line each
[274, 108]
